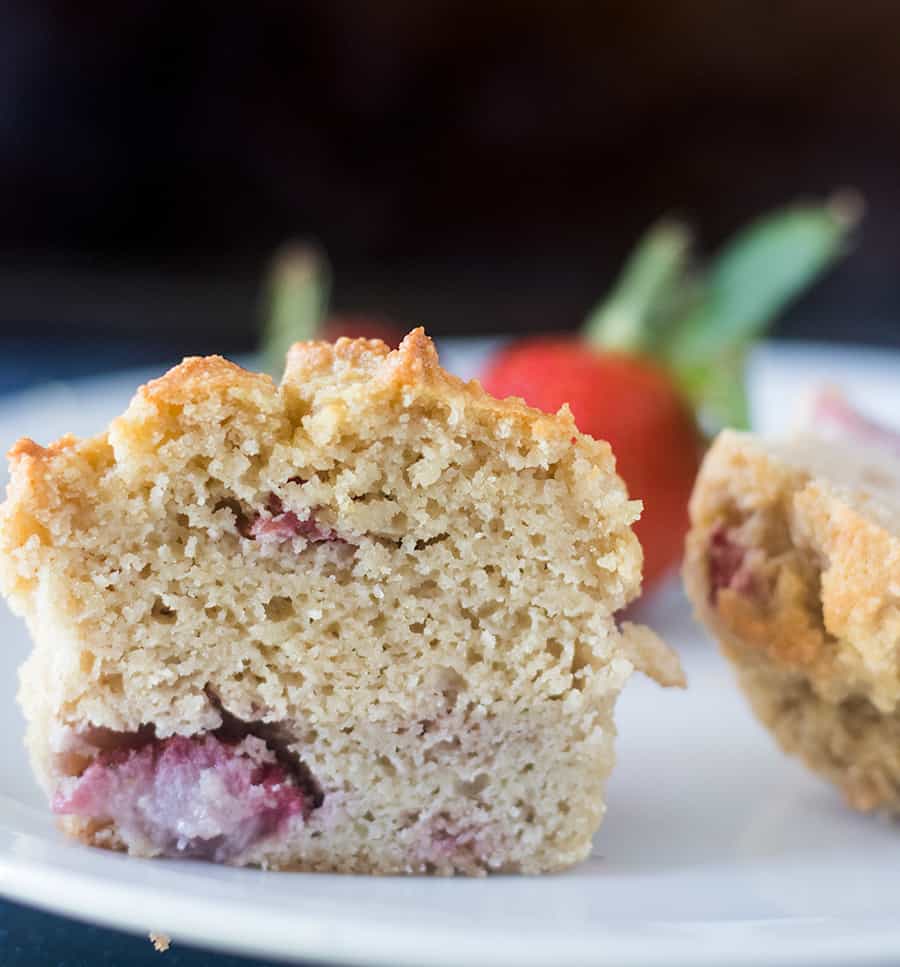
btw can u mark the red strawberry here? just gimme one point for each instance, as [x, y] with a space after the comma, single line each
[630, 402]
[668, 341]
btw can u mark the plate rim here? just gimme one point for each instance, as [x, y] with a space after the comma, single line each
[322, 935]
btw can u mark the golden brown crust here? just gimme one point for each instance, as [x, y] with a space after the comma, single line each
[197, 376]
[25, 448]
[306, 359]
[27, 459]
[157, 409]
[414, 364]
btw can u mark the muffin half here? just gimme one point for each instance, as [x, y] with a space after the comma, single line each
[363, 621]
[793, 564]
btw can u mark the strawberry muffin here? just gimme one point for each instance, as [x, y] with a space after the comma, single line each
[793, 564]
[363, 621]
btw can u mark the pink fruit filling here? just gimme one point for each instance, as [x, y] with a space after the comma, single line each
[201, 797]
[832, 412]
[460, 843]
[275, 526]
[727, 560]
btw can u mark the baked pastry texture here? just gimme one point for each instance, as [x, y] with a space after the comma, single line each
[363, 621]
[793, 563]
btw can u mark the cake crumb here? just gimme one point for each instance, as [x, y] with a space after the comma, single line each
[160, 942]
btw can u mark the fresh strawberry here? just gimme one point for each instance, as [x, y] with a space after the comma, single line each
[633, 404]
[665, 353]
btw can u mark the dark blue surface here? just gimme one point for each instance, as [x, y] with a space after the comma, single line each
[28, 362]
[31, 938]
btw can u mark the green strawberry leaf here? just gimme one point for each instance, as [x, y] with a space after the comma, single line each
[757, 274]
[295, 301]
[630, 317]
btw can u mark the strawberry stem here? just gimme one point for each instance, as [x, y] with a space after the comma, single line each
[700, 323]
[744, 288]
[629, 318]
[295, 300]
[758, 273]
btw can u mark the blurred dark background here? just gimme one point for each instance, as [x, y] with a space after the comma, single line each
[475, 167]
[478, 167]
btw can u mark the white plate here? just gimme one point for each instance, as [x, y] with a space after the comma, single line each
[716, 849]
